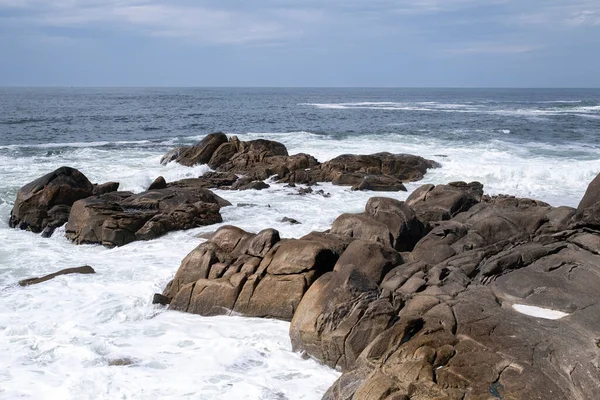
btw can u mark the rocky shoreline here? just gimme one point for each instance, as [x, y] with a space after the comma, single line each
[451, 294]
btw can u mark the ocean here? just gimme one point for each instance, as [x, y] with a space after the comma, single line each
[57, 338]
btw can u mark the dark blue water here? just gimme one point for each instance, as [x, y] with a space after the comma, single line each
[68, 115]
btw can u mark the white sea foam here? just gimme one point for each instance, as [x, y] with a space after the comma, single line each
[57, 337]
[539, 312]
[466, 107]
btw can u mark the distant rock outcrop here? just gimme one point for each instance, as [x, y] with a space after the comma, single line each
[260, 159]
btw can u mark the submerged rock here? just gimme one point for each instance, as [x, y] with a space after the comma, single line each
[86, 269]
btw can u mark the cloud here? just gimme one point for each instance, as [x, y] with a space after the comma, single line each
[208, 24]
[492, 48]
[585, 18]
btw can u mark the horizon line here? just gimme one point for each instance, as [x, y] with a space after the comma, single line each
[285, 87]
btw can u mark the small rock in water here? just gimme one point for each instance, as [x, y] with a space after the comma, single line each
[291, 220]
[304, 191]
[121, 362]
[86, 269]
[160, 299]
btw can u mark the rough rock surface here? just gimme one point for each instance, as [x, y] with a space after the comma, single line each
[261, 159]
[450, 295]
[44, 204]
[118, 218]
[257, 275]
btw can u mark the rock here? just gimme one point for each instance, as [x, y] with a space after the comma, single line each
[290, 221]
[588, 210]
[349, 169]
[498, 299]
[258, 160]
[210, 179]
[121, 362]
[387, 221]
[159, 183]
[248, 184]
[338, 317]
[256, 275]
[105, 188]
[200, 153]
[442, 202]
[116, 219]
[42, 204]
[86, 269]
[457, 332]
[160, 299]
[380, 184]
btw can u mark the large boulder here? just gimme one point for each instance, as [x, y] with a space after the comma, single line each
[442, 202]
[44, 204]
[256, 275]
[385, 220]
[119, 218]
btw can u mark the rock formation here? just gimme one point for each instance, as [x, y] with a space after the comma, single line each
[119, 218]
[260, 159]
[450, 295]
[100, 214]
[44, 204]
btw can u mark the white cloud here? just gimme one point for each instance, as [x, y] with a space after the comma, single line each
[493, 48]
[586, 17]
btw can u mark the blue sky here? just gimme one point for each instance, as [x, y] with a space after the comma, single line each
[401, 43]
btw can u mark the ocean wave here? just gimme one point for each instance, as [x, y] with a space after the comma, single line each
[469, 107]
[87, 144]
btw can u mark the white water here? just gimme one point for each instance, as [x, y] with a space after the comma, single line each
[539, 312]
[467, 107]
[56, 338]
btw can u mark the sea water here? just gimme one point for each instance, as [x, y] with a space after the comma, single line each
[58, 338]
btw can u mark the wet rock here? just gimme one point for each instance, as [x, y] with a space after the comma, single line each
[41, 204]
[86, 269]
[248, 184]
[158, 183]
[290, 221]
[107, 187]
[116, 219]
[121, 362]
[197, 154]
[160, 299]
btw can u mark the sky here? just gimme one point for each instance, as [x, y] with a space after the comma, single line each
[364, 43]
